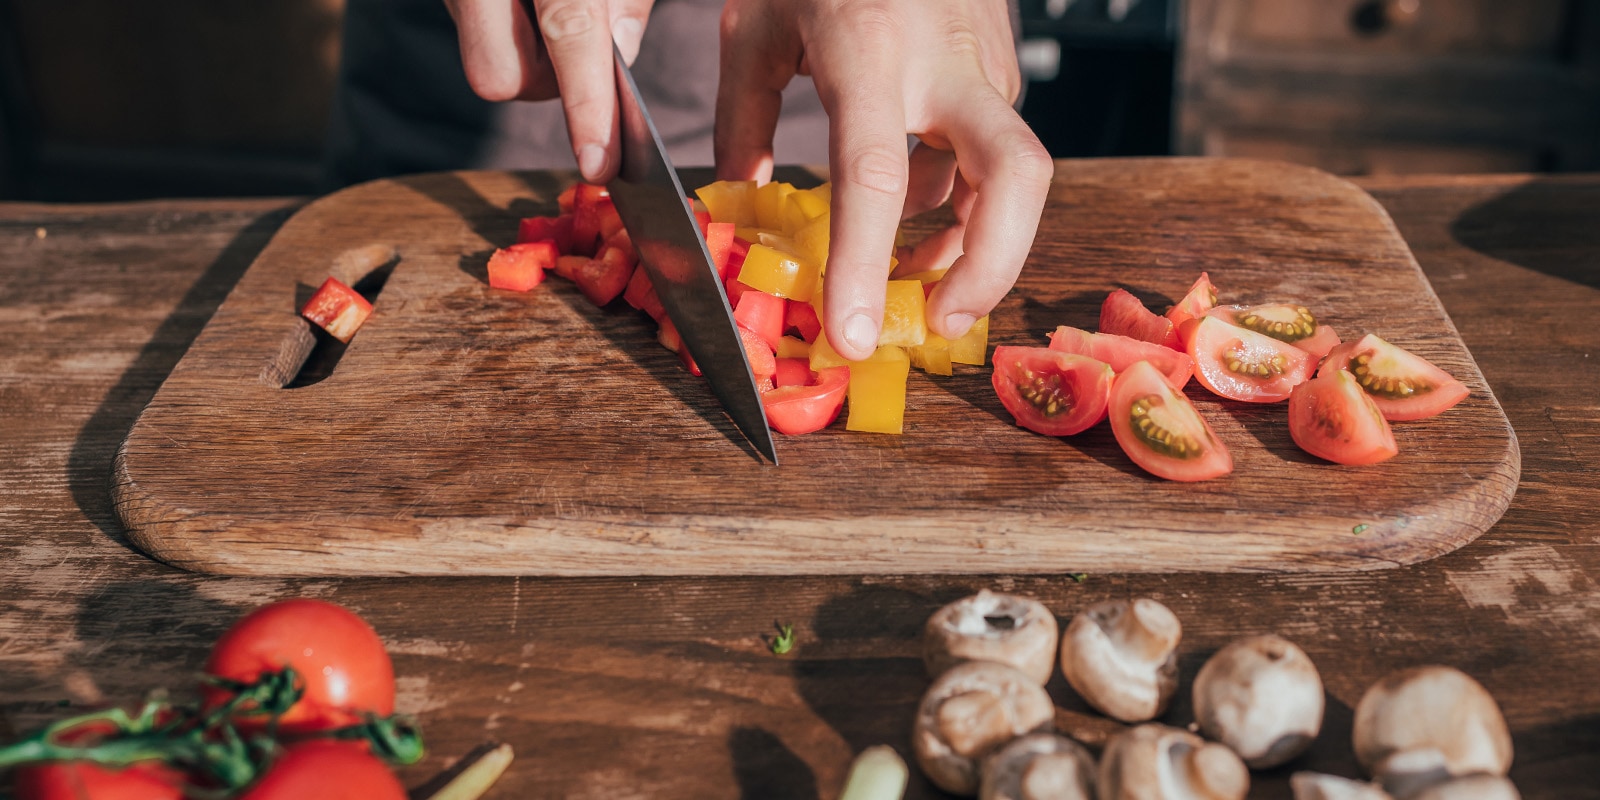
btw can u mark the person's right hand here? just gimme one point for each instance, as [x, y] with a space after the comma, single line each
[565, 50]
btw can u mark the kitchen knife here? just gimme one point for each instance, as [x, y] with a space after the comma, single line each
[673, 253]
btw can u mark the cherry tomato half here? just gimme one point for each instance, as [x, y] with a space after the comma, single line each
[1202, 297]
[1051, 392]
[1331, 417]
[1241, 364]
[1405, 386]
[1286, 322]
[343, 665]
[1160, 429]
[1120, 352]
[797, 409]
[1124, 315]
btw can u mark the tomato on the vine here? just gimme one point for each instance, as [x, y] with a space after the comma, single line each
[82, 780]
[339, 658]
[323, 769]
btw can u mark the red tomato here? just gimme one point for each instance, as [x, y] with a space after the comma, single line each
[337, 309]
[1285, 322]
[796, 410]
[1202, 297]
[77, 780]
[1120, 352]
[759, 354]
[1124, 315]
[1405, 386]
[1331, 417]
[1160, 429]
[343, 665]
[322, 769]
[1241, 364]
[792, 372]
[1051, 392]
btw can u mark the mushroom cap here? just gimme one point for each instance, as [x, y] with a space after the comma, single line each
[1121, 657]
[1316, 786]
[1472, 787]
[1430, 708]
[971, 710]
[1157, 762]
[990, 626]
[1039, 766]
[1261, 696]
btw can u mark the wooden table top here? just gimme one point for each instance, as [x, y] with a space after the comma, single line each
[664, 687]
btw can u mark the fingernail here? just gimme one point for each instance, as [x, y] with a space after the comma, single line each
[861, 334]
[958, 324]
[592, 161]
[628, 32]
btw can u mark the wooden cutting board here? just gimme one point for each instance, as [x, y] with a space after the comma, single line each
[467, 430]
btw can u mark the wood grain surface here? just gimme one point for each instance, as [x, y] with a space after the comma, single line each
[661, 687]
[472, 431]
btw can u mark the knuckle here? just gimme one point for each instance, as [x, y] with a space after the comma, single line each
[564, 21]
[871, 23]
[879, 171]
[961, 40]
[1027, 160]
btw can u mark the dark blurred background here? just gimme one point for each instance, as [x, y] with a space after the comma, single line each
[110, 99]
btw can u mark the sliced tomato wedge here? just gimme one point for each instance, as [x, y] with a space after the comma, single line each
[792, 372]
[1120, 352]
[1241, 364]
[1160, 429]
[1405, 386]
[1049, 391]
[1202, 297]
[1123, 315]
[796, 410]
[1286, 322]
[1331, 417]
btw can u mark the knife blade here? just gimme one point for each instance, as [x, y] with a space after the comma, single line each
[672, 251]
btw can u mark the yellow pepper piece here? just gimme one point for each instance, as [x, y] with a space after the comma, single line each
[750, 234]
[974, 346]
[825, 192]
[790, 347]
[933, 356]
[770, 202]
[812, 239]
[878, 392]
[823, 356]
[801, 207]
[778, 272]
[730, 201]
[925, 278]
[904, 324]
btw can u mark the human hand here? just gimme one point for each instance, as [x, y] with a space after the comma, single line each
[943, 70]
[564, 50]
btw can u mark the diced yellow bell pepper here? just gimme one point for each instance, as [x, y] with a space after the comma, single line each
[823, 355]
[878, 392]
[812, 239]
[770, 201]
[933, 356]
[790, 347]
[904, 324]
[801, 207]
[778, 272]
[751, 234]
[973, 348]
[825, 193]
[730, 201]
[925, 278]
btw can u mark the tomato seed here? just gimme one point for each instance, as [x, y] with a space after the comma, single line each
[1160, 439]
[1301, 327]
[1392, 388]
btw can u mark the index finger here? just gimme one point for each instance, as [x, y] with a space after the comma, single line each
[859, 76]
[577, 35]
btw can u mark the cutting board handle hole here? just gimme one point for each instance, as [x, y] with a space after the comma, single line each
[307, 354]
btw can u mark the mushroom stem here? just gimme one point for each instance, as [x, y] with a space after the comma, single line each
[877, 774]
[1150, 630]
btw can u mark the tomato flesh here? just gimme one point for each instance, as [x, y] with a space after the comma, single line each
[81, 780]
[326, 770]
[809, 407]
[339, 658]
[1124, 315]
[1403, 385]
[1286, 322]
[1049, 391]
[1202, 297]
[1331, 417]
[1241, 364]
[1160, 429]
[1120, 352]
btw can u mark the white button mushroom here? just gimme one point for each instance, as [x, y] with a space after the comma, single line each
[1039, 766]
[1422, 725]
[968, 712]
[1157, 762]
[1474, 787]
[1121, 657]
[1261, 696]
[1316, 786]
[989, 626]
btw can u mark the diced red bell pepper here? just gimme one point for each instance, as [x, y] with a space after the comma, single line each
[568, 266]
[756, 351]
[719, 242]
[337, 309]
[803, 318]
[591, 208]
[796, 410]
[736, 255]
[762, 313]
[521, 267]
[622, 241]
[641, 294]
[669, 338]
[547, 229]
[568, 199]
[603, 278]
[792, 372]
